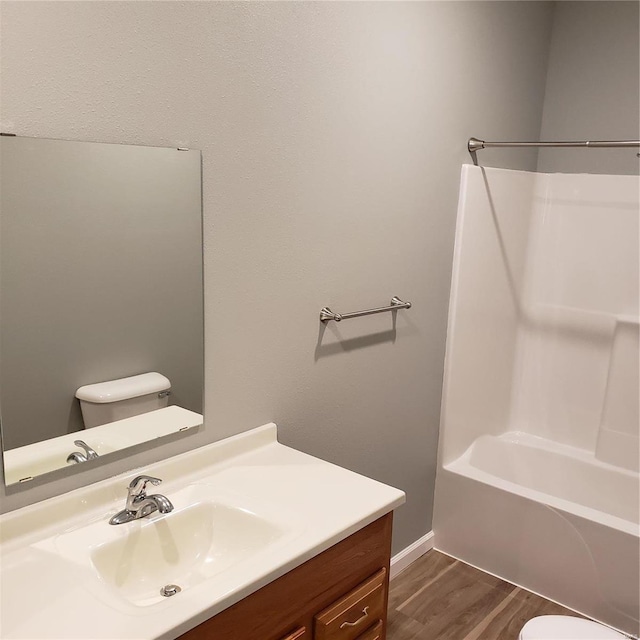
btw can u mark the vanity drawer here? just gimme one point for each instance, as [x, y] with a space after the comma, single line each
[354, 613]
[372, 634]
[298, 634]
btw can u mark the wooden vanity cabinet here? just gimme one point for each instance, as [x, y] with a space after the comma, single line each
[340, 594]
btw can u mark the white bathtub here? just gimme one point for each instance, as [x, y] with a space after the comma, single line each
[548, 517]
[564, 477]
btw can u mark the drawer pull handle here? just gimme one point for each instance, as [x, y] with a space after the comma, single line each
[365, 614]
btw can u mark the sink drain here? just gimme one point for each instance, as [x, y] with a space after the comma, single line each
[170, 590]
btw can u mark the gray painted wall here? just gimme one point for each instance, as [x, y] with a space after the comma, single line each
[101, 277]
[332, 137]
[593, 86]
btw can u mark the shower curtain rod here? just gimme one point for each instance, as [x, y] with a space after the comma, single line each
[476, 145]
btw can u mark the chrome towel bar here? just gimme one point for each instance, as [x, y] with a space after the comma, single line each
[326, 314]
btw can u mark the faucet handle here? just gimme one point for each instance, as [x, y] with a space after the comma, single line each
[89, 452]
[138, 486]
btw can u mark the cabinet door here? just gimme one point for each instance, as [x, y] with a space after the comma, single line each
[298, 634]
[355, 612]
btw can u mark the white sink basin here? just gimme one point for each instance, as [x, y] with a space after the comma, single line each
[181, 548]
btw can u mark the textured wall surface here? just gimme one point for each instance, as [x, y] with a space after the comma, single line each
[593, 86]
[332, 137]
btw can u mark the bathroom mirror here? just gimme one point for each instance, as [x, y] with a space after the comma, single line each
[101, 300]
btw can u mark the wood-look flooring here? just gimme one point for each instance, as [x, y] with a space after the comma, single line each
[439, 598]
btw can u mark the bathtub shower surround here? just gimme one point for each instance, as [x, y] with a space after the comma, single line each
[538, 464]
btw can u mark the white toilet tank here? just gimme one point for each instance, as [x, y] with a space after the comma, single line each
[113, 400]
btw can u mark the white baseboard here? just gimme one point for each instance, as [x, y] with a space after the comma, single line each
[402, 560]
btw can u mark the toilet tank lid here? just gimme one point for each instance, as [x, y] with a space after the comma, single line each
[124, 388]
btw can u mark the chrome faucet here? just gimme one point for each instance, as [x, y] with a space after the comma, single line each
[76, 456]
[139, 504]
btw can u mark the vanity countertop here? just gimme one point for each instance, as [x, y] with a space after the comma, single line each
[48, 580]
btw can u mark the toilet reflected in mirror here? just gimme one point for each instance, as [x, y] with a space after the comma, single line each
[114, 400]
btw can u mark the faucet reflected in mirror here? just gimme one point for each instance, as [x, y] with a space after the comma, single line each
[76, 456]
[107, 341]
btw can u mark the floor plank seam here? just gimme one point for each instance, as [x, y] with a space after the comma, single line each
[474, 634]
[424, 587]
